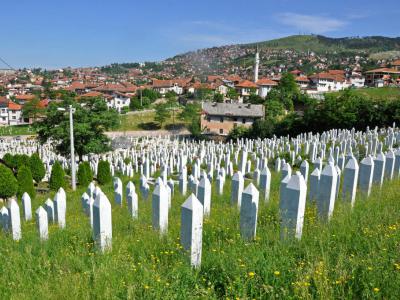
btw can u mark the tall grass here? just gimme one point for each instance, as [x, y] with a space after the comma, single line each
[356, 255]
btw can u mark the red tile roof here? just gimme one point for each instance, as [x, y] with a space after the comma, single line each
[25, 97]
[384, 70]
[266, 81]
[246, 84]
[396, 63]
[14, 106]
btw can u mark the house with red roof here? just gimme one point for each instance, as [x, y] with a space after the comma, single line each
[245, 88]
[265, 85]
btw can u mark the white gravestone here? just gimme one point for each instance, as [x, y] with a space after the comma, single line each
[160, 208]
[292, 206]
[192, 229]
[42, 223]
[102, 222]
[248, 212]
[27, 206]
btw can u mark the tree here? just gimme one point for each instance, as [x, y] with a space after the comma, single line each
[9, 160]
[238, 132]
[191, 115]
[37, 167]
[162, 113]
[232, 94]
[32, 109]
[103, 172]
[91, 119]
[57, 179]
[84, 174]
[25, 182]
[218, 98]
[274, 108]
[8, 182]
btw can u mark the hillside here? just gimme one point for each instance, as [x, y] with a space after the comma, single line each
[309, 53]
[319, 43]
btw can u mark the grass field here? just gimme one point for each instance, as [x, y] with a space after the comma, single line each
[16, 130]
[145, 121]
[356, 255]
[385, 93]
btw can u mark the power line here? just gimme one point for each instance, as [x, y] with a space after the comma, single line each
[6, 64]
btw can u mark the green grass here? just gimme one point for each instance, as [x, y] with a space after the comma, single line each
[16, 130]
[145, 121]
[357, 252]
[384, 93]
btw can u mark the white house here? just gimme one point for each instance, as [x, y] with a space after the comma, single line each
[118, 101]
[329, 81]
[265, 85]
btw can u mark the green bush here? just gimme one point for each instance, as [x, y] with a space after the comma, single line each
[8, 182]
[25, 182]
[9, 160]
[103, 172]
[84, 175]
[37, 168]
[57, 179]
[22, 160]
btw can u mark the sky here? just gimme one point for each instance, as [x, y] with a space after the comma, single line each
[78, 33]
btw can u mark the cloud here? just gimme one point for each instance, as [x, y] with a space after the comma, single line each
[210, 33]
[310, 23]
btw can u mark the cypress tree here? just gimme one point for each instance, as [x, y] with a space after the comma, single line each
[57, 179]
[8, 182]
[37, 167]
[103, 172]
[25, 182]
[83, 176]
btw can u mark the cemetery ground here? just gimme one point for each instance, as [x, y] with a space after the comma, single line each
[145, 121]
[355, 255]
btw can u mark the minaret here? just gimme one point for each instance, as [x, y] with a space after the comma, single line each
[257, 63]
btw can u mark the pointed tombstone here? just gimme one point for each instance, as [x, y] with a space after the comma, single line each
[49, 207]
[84, 200]
[327, 192]
[194, 186]
[248, 212]
[292, 207]
[396, 171]
[265, 183]
[256, 177]
[118, 191]
[350, 179]
[304, 169]
[60, 206]
[160, 208]
[90, 203]
[14, 219]
[132, 199]
[286, 171]
[389, 165]
[102, 222]
[220, 184]
[366, 175]
[192, 229]
[130, 187]
[379, 168]
[171, 185]
[90, 189]
[204, 195]
[42, 223]
[182, 184]
[26, 206]
[338, 181]
[237, 189]
[5, 219]
[278, 164]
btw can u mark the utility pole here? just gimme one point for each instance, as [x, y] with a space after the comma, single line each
[71, 130]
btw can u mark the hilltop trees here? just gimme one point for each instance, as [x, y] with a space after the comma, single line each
[91, 119]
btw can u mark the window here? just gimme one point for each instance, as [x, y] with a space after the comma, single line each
[221, 119]
[14, 117]
[235, 119]
[208, 119]
[221, 131]
[244, 120]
